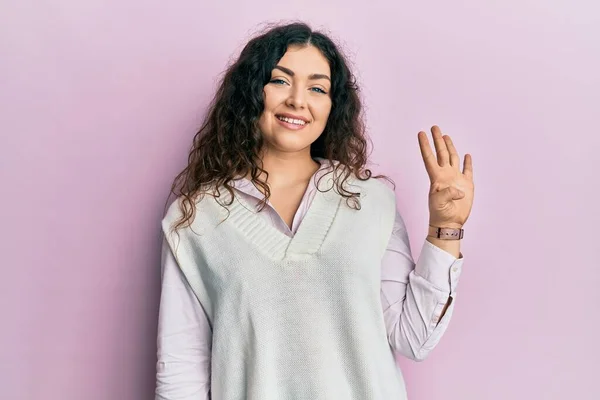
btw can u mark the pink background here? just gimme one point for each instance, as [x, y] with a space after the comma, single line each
[99, 101]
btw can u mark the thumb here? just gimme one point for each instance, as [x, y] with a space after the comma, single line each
[451, 193]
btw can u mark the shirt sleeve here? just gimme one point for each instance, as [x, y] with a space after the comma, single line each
[414, 295]
[184, 337]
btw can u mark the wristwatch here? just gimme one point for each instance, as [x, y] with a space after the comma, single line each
[446, 233]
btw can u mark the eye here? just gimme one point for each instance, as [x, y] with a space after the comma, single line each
[278, 81]
[319, 90]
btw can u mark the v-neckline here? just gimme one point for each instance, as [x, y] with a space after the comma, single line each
[309, 188]
[310, 233]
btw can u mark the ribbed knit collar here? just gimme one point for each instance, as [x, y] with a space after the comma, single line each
[312, 230]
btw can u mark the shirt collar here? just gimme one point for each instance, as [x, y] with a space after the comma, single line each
[245, 185]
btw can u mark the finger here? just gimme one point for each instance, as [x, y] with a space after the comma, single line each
[454, 158]
[468, 166]
[440, 146]
[448, 195]
[426, 153]
[454, 193]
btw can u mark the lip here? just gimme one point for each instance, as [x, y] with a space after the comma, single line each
[292, 127]
[292, 116]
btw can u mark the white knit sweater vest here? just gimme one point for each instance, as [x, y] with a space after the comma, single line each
[294, 318]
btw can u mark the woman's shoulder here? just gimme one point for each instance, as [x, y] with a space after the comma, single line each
[189, 207]
[378, 189]
[372, 185]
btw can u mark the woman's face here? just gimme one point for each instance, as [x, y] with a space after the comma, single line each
[297, 100]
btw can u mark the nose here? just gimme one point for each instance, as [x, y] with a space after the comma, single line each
[297, 98]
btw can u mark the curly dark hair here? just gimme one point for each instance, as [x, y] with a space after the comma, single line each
[229, 142]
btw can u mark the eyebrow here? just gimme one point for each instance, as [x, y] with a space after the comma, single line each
[291, 73]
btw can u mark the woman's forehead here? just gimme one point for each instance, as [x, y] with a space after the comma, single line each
[304, 60]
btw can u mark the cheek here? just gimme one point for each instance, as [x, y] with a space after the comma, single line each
[272, 98]
[267, 109]
[323, 110]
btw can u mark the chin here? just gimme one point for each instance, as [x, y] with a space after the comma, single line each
[292, 147]
[288, 143]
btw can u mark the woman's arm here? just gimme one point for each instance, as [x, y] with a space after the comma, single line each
[184, 338]
[417, 299]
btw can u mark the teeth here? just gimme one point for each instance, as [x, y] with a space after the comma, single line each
[292, 121]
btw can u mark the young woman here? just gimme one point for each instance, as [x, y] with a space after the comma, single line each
[287, 271]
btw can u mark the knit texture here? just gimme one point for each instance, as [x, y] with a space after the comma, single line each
[293, 318]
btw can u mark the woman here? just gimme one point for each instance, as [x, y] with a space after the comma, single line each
[287, 271]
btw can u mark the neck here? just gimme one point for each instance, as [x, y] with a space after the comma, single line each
[287, 169]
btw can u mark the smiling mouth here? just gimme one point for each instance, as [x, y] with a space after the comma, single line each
[292, 121]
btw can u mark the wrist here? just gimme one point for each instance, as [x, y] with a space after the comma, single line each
[453, 225]
[446, 232]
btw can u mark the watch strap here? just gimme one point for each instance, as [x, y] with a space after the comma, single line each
[446, 233]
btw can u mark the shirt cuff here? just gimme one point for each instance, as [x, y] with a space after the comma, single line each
[439, 267]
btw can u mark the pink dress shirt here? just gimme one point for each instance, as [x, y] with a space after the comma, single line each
[412, 299]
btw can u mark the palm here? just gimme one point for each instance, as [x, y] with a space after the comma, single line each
[443, 169]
